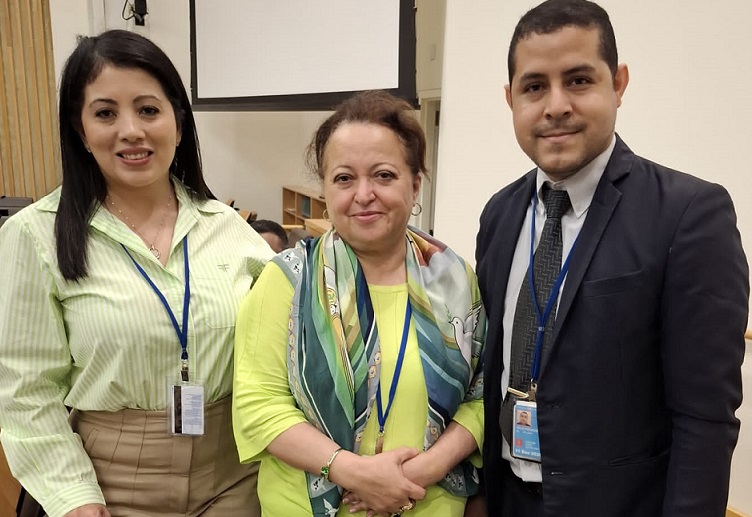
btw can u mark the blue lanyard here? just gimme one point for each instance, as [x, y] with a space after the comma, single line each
[383, 415]
[543, 317]
[182, 333]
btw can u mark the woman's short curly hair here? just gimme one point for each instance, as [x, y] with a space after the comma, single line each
[373, 107]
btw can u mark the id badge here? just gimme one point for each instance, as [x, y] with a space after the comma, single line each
[186, 409]
[526, 445]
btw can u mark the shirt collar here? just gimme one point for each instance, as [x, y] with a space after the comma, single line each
[582, 184]
[50, 203]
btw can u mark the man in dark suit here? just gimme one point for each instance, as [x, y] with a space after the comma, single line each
[638, 373]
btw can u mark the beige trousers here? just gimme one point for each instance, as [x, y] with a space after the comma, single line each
[144, 470]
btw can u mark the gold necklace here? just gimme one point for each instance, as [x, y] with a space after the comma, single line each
[132, 226]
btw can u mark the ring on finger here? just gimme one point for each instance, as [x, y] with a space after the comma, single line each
[409, 506]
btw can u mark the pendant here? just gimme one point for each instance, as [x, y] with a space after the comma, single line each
[380, 443]
[155, 251]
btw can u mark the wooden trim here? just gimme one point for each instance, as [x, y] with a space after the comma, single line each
[5, 144]
[53, 168]
[748, 334]
[29, 136]
[730, 512]
[22, 127]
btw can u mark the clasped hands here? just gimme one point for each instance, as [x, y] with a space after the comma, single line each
[385, 484]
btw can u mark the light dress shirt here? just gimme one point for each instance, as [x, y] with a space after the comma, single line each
[581, 188]
[106, 341]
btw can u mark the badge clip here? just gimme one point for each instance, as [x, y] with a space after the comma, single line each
[530, 395]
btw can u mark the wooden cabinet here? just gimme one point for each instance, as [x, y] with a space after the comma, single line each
[301, 203]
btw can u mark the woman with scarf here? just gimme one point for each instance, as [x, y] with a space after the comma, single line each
[358, 354]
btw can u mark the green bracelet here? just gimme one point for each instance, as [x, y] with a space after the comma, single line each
[325, 468]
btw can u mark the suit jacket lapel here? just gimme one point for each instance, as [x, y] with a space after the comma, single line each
[605, 199]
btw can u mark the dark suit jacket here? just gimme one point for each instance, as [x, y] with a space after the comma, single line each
[637, 395]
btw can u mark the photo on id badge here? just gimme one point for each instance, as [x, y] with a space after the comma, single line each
[526, 445]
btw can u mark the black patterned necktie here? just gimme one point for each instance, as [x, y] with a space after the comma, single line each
[546, 267]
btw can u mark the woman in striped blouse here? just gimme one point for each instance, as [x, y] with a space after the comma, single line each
[118, 297]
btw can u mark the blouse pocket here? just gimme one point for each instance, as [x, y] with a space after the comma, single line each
[217, 287]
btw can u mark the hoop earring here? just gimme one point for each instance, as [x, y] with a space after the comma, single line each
[325, 215]
[420, 209]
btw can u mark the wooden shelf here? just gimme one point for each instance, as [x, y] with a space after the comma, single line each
[300, 203]
[317, 227]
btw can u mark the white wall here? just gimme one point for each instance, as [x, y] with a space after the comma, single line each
[686, 106]
[247, 156]
[474, 158]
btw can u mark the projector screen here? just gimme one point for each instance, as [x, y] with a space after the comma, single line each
[299, 55]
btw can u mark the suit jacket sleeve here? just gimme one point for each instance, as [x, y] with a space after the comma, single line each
[705, 307]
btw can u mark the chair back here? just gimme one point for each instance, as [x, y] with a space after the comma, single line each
[11, 205]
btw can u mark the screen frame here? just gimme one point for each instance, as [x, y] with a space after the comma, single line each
[406, 88]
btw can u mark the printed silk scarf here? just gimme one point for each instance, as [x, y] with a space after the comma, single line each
[333, 344]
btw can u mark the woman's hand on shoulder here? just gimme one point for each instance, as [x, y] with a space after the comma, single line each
[89, 510]
[377, 482]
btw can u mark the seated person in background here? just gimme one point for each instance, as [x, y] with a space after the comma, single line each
[272, 232]
[296, 234]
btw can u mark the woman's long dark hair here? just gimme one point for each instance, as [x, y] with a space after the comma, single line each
[83, 185]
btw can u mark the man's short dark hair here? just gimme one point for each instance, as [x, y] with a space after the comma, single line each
[268, 226]
[554, 15]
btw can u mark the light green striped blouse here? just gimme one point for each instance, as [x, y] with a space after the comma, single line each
[106, 342]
